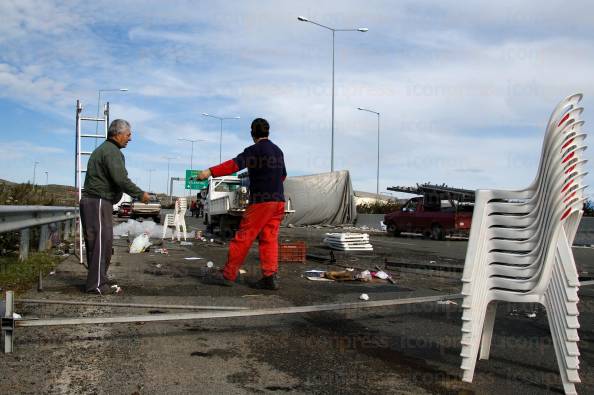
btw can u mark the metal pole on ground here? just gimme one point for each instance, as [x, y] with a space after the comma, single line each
[8, 322]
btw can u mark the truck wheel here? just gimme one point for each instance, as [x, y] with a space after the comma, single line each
[393, 230]
[437, 232]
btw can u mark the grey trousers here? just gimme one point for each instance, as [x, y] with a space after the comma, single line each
[97, 222]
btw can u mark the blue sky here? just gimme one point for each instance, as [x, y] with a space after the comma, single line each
[464, 88]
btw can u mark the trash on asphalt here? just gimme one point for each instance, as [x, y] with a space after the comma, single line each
[364, 297]
[185, 243]
[446, 302]
[192, 258]
[162, 251]
[209, 264]
[140, 244]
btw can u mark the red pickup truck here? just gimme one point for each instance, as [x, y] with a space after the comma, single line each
[437, 219]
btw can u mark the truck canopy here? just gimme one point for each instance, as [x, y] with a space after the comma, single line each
[321, 199]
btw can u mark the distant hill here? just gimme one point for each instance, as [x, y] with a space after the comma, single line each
[12, 193]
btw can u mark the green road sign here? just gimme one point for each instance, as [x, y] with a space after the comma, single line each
[192, 181]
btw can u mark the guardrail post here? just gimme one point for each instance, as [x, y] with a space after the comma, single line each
[24, 244]
[43, 238]
[8, 322]
[67, 230]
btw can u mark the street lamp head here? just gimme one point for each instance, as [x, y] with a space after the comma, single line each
[363, 29]
[205, 114]
[302, 19]
[235, 118]
[359, 108]
[123, 89]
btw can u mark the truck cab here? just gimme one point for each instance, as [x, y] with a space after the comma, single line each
[431, 216]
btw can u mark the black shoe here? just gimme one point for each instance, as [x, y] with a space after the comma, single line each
[267, 282]
[216, 278]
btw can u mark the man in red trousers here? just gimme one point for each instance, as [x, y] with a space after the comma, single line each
[262, 218]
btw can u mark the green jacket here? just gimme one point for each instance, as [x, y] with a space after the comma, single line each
[106, 176]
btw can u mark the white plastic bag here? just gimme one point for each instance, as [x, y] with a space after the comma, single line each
[140, 244]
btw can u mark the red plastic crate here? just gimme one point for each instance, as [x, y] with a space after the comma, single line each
[292, 252]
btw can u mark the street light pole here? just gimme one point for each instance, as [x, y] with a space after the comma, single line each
[34, 171]
[150, 171]
[168, 189]
[99, 105]
[46, 178]
[360, 29]
[221, 133]
[191, 156]
[378, 146]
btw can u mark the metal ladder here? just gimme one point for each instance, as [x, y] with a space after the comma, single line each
[78, 167]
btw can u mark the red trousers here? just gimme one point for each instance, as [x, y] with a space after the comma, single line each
[260, 220]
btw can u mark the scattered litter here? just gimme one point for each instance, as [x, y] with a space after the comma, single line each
[316, 275]
[446, 302]
[209, 264]
[192, 258]
[134, 228]
[365, 275]
[16, 316]
[383, 226]
[140, 244]
[52, 273]
[185, 243]
[117, 289]
[350, 269]
[158, 265]
[364, 297]
[531, 315]
[162, 251]
[212, 240]
[381, 275]
[340, 276]
[242, 271]
[348, 241]
[432, 262]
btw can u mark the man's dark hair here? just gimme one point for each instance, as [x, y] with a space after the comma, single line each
[260, 128]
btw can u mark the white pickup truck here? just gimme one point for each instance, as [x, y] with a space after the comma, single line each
[226, 199]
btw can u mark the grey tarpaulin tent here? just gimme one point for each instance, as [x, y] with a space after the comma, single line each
[321, 199]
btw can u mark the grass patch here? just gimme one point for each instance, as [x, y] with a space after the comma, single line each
[20, 276]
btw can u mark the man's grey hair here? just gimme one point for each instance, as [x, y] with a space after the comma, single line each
[118, 126]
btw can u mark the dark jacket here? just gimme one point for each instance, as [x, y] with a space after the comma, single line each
[106, 176]
[265, 163]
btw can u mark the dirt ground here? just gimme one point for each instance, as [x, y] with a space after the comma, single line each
[410, 349]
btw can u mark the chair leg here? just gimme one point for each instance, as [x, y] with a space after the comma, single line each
[568, 376]
[470, 347]
[488, 330]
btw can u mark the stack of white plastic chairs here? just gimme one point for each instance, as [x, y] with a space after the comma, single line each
[177, 220]
[520, 247]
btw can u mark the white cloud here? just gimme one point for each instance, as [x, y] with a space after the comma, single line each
[464, 89]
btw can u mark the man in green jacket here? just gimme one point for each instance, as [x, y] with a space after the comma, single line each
[106, 179]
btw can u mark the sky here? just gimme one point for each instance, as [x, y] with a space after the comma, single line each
[464, 89]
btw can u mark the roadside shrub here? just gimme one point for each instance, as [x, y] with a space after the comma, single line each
[20, 276]
[589, 208]
[378, 207]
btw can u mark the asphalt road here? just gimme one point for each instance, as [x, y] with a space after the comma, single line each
[407, 349]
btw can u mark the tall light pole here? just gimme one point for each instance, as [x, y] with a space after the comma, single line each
[99, 105]
[46, 178]
[150, 171]
[221, 135]
[360, 29]
[191, 156]
[168, 189]
[34, 171]
[378, 146]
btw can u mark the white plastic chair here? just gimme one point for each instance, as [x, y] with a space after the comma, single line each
[520, 248]
[177, 220]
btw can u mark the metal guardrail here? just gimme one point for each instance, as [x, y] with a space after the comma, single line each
[23, 218]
